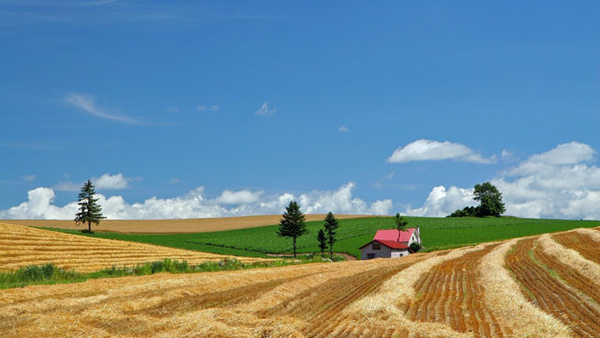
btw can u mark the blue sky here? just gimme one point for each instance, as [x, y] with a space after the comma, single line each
[200, 109]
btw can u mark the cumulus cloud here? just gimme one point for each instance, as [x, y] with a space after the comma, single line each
[559, 183]
[87, 103]
[106, 181]
[205, 108]
[429, 150]
[343, 129]
[264, 110]
[196, 205]
[441, 202]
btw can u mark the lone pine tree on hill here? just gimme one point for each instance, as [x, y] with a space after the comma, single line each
[89, 209]
[292, 224]
[331, 225]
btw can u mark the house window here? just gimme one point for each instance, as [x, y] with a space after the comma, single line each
[370, 256]
[376, 246]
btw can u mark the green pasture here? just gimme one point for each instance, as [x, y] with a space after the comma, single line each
[436, 233]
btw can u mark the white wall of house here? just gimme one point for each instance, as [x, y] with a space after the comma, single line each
[370, 252]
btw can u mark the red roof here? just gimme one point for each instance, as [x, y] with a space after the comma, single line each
[392, 244]
[394, 239]
[394, 235]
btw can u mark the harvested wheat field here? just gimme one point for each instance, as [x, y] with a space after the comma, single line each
[528, 287]
[173, 226]
[22, 246]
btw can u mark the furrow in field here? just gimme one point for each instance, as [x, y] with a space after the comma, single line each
[549, 293]
[322, 308]
[589, 287]
[582, 243]
[450, 293]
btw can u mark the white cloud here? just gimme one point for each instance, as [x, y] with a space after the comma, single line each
[111, 182]
[264, 110]
[441, 202]
[196, 205]
[172, 109]
[106, 181]
[563, 154]
[558, 183]
[429, 150]
[205, 108]
[343, 129]
[87, 103]
[507, 154]
[174, 181]
[29, 178]
[39, 206]
[239, 197]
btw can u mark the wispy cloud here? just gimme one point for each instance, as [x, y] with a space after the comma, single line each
[29, 178]
[343, 129]
[106, 182]
[206, 108]
[172, 109]
[264, 110]
[428, 150]
[87, 103]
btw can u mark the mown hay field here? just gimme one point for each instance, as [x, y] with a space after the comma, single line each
[539, 286]
[21, 246]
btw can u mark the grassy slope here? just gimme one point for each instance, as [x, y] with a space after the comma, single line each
[436, 233]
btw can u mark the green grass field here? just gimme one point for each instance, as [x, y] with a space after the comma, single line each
[436, 233]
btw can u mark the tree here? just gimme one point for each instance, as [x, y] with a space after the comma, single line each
[322, 241]
[331, 225]
[89, 209]
[401, 223]
[292, 224]
[490, 200]
[415, 247]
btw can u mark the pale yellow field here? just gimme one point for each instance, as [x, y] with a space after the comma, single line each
[523, 287]
[173, 225]
[21, 246]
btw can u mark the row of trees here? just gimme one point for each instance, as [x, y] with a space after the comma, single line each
[292, 226]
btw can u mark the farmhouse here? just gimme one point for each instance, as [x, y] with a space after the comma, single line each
[390, 243]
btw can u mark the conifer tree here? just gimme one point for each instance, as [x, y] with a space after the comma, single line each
[89, 209]
[292, 224]
[322, 241]
[331, 225]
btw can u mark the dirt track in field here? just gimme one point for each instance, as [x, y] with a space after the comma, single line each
[438, 294]
[173, 225]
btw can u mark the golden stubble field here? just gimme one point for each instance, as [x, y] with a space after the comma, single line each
[22, 246]
[156, 226]
[541, 286]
